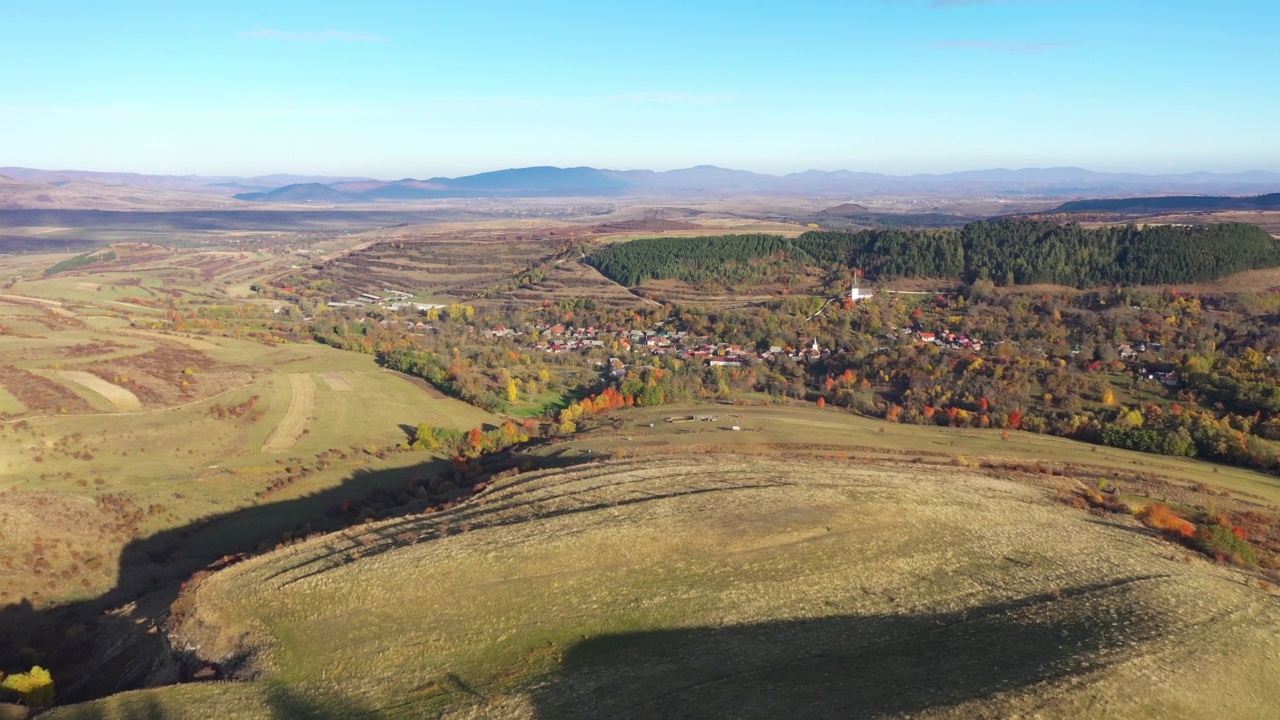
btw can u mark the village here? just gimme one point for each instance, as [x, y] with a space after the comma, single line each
[664, 340]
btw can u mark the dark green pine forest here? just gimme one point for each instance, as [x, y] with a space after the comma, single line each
[1006, 252]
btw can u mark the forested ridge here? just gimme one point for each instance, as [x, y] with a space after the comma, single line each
[1008, 252]
[1184, 203]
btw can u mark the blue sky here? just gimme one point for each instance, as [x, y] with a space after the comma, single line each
[397, 89]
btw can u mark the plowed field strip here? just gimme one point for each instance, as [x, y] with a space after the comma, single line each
[296, 417]
[121, 398]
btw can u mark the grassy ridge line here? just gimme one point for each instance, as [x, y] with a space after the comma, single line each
[801, 426]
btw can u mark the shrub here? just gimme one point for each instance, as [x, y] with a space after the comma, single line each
[1223, 543]
[1161, 517]
[35, 688]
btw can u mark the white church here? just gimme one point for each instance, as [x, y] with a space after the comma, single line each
[856, 293]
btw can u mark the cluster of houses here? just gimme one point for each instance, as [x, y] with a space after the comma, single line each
[1129, 351]
[948, 340]
[394, 300]
[410, 325]
[658, 342]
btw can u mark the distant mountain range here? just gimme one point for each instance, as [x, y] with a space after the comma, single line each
[190, 183]
[703, 180]
[710, 180]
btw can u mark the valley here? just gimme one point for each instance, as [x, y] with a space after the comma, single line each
[256, 464]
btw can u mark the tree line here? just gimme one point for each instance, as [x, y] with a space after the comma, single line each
[1007, 252]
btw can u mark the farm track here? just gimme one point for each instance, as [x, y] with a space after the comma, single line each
[194, 343]
[122, 399]
[296, 418]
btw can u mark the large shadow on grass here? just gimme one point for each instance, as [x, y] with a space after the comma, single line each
[847, 666]
[94, 649]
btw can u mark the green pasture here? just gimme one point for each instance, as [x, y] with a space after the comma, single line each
[748, 587]
[854, 435]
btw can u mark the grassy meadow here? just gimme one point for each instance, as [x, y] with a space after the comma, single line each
[746, 587]
[787, 428]
[174, 427]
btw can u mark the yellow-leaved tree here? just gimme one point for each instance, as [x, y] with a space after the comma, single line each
[35, 688]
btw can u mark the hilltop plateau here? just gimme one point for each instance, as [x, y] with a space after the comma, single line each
[714, 584]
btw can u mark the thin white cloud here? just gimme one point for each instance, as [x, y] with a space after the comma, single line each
[1002, 47]
[331, 36]
[670, 98]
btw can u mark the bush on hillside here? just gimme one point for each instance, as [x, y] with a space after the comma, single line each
[1225, 544]
[1162, 517]
[34, 688]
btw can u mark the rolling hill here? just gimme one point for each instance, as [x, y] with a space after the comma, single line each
[299, 193]
[751, 587]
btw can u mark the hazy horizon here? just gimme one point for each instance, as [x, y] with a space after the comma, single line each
[900, 87]
[426, 176]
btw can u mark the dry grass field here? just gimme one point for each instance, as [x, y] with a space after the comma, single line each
[672, 586]
[302, 400]
[171, 428]
[337, 382]
[766, 430]
[122, 399]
